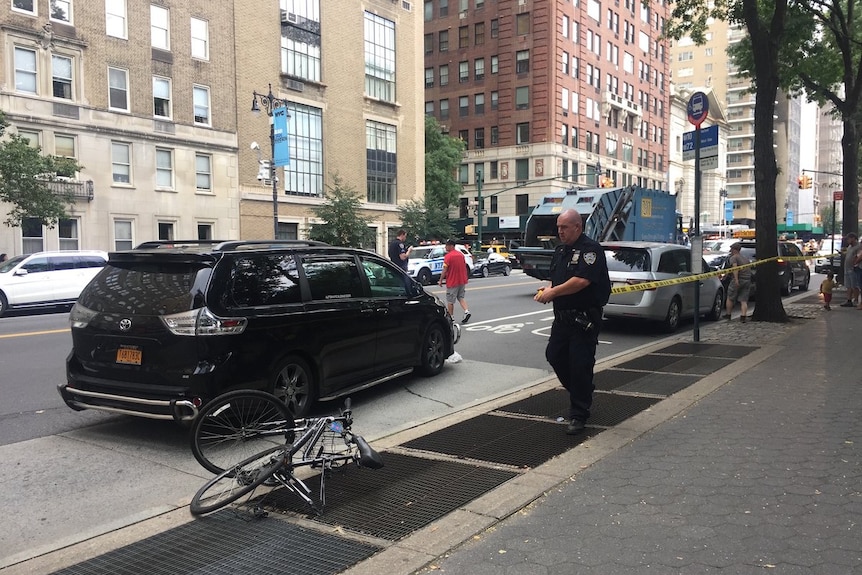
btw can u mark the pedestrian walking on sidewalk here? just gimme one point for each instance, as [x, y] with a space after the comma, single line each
[579, 288]
[455, 276]
[739, 287]
[826, 287]
[851, 280]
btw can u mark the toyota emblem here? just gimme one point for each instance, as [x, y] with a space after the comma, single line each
[125, 324]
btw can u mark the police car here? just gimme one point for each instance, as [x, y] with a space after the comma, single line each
[425, 263]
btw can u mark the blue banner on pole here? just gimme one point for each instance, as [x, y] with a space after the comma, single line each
[281, 146]
[728, 210]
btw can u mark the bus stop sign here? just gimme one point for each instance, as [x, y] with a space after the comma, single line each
[698, 108]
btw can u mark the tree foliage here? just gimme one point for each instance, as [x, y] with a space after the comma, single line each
[443, 156]
[24, 180]
[765, 22]
[342, 223]
[425, 222]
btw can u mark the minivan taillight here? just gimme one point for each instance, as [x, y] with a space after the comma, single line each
[80, 316]
[203, 322]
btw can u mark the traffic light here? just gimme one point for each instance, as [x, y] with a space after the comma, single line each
[606, 182]
[804, 182]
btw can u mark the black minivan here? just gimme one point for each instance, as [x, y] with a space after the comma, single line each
[168, 326]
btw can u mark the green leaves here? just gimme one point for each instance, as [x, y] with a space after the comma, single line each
[343, 224]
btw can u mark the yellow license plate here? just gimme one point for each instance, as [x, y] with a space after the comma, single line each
[129, 355]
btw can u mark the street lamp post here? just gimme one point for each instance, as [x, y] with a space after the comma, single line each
[479, 179]
[270, 103]
[599, 173]
[722, 197]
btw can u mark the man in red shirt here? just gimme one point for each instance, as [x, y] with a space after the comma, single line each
[455, 276]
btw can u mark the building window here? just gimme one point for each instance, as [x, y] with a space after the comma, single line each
[495, 100]
[429, 77]
[68, 234]
[300, 41]
[495, 135]
[463, 106]
[443, 40]
[203, 172]
[379, 58]
[32, 236]
[115, 18]
[25, 70]
[166, 231]
[464, 136]
[522, 204]
[444, 8]
[202, 105]
[522, 133]
[479, 134]
[480, 103]
[118, 89]
[463, 71]
[381, 163]
[444, 75]
[495, 28]
[61, 11]
[495, 64]
[123, 235]
[464, 174]
[160, 32]
[494, 207]
[429, 10]
[444, 109]
[304, 175]
[161, 97]
[205, 232]
[32, 138]
[64, 147]
[61, 70]
[429, 43]
[200, 39]
[522, 61]
[463, 37]
[287, 231]
[429, 108]
[121, 163]
[522, 97]
[28, 6]
[522, 169]
[164, 169]
[479, 69]
[522, 24]
[564, 134]
[479, 33]
[495, 170]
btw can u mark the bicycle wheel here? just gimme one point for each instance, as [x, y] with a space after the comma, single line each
[239, 480]
[236, 425]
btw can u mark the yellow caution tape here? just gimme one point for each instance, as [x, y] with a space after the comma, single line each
[697, 277]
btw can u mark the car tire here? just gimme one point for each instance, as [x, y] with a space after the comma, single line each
[4, 304]
[433, 351]
[507, 270]
[485, 272]
[294, 383]
[788, 285]
[424, 276]
[805, 284]
[671, 320]
[469, 271]
[717, 306]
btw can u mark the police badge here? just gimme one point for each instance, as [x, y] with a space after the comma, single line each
[590, 257]
[575, 257]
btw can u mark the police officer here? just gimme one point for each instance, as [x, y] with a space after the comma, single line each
[579, 288]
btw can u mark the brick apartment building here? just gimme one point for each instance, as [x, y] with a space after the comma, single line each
[547, 94]
[154, 101]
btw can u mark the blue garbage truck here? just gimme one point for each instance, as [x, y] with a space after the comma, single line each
[629, 213]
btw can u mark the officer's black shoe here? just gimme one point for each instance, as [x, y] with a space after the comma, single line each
[575, 427]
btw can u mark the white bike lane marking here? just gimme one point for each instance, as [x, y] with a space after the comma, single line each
[493, 325]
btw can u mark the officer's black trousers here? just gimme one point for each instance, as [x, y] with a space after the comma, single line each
[572, 353]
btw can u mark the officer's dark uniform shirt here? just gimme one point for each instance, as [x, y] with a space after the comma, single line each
[585, 259]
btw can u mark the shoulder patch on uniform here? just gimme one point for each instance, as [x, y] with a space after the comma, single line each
[590, 257]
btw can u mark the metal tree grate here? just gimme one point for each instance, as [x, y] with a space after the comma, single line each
[224, 543]
[708, 349]
[677, 364]
[610, 379]
[402, 497]
[663, 384]
[608, 408]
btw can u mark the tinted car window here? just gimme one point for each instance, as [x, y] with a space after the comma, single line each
[63, 262]
[89, 262]
[36, 265]
[161, 288]
[673, 262]
[384, 281]
[628, 260]
[264, 280]
[332, 278]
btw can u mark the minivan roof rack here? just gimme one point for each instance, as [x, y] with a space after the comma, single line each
[224, 245]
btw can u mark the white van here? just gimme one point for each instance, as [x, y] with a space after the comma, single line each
[47, 278]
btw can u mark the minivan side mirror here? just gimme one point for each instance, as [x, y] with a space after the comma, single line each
[21, 272]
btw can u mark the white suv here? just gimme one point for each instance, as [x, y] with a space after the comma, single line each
[425, 263]
[47, 278]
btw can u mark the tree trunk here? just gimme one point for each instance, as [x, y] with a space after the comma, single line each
[850, 148]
